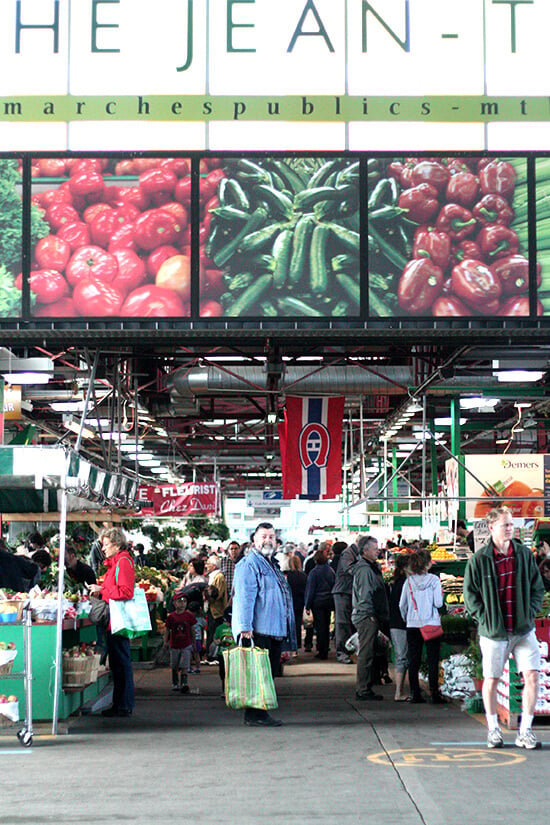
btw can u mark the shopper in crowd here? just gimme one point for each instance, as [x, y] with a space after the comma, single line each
[223, 638]
[216, 595]
[503, 591]
[319, 600]
[262, 609]
[78, 571]
[297, 580]
[17, 573]
[398, 626]
[421, 598]
[544, 568]
[198, 640]
[179, 635]
[97, 554]
[227, 565]
[283, 556]
[118, 583]
[337, 549]
[342, 590]
[369, 612]
[463, 532]
[43, 559]
[35, 542]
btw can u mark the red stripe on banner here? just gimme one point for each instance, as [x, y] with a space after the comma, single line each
[308, 469]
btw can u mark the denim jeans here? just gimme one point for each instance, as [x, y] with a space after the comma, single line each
[120, 662]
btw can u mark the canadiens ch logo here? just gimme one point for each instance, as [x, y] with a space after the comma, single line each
[314, 445]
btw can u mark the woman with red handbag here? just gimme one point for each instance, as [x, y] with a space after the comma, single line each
[420, 599]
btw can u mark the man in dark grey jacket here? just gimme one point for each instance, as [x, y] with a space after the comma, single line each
[369, 610]
[343, 627]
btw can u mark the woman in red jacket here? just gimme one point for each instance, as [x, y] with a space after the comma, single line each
[118, 584]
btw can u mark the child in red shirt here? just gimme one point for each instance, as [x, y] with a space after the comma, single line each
[180, 635]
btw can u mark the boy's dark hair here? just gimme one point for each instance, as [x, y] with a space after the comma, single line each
[194, 607]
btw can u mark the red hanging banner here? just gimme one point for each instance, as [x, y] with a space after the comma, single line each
[311, 448]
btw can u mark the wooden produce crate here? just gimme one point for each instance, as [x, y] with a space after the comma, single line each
[77, 672]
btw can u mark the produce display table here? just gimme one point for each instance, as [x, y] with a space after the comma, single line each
[43, 645]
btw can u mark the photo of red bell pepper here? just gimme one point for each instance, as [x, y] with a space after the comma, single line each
[513, 273]
[498, 178]
[457, 221]
[462, 188]
[474, 283]
[420, 202]
[419, 285]
[446, 306]
[497, 241]
[432, 172]
[493, 209]
[429, 243]
[465, 249]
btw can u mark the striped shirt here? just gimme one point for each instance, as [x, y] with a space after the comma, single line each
[506, 583]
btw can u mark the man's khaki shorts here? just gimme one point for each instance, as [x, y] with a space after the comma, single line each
[495, 653]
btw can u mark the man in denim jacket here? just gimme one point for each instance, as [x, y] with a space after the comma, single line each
[262, 608]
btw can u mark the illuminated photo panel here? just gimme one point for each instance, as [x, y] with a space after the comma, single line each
[117, 238]
[283, 238]
[448, 236]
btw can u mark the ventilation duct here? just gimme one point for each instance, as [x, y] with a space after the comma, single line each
[338, 380]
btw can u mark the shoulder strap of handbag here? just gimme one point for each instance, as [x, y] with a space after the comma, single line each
[117, 564]
[412, 597]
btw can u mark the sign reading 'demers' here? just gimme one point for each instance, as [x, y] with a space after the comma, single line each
[257, 47]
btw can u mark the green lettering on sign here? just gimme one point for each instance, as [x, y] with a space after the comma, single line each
[96, 25]
[321, 32]
[232, 25]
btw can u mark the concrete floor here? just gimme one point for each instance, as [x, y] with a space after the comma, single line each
[336, 761]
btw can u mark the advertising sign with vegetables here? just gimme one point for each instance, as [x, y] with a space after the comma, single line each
[11, 237]
[274, 236]
[448, 236]
[519, 482]
[117, 240]
[284, 237]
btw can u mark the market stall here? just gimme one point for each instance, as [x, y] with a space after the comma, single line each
[56, 481]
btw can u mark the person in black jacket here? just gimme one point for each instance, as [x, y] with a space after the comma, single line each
[17, 573]
[398, 627]
[318, 598]
[297, 580]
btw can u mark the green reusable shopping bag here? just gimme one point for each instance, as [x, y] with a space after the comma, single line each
[130, 617]
[248, 679]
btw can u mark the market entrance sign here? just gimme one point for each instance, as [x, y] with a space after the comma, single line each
[224, 61]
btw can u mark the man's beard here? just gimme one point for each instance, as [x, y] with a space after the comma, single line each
[267, 548]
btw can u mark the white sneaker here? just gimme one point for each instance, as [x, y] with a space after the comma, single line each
[527, 740]
[494, 739]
